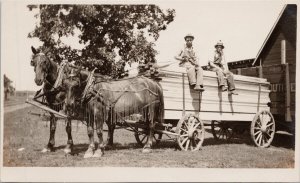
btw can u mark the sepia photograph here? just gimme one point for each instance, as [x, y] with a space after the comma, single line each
[149, 91]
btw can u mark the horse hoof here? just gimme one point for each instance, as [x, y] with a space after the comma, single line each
[88, 154]
[45, 150]
[147, 150]
[67, 151]
[98, 153]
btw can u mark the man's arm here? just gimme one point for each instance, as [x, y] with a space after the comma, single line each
[211, 63]
[179, 57]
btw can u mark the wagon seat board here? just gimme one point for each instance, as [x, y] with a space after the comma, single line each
[213, 104]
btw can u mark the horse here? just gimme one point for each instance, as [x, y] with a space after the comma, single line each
[114, 101]
[46, 71]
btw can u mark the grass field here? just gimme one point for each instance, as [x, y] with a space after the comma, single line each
[25, 135]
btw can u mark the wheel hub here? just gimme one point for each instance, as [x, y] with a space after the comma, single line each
[263, 128]
[192, 133]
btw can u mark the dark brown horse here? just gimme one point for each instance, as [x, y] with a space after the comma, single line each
[114, 101]
[46, 71]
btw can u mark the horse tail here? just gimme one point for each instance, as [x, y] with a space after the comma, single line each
[160, 110]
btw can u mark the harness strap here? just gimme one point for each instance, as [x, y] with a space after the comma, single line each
[90, 80]
[60, 74]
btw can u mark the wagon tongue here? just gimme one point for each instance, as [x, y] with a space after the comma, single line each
[46, 108]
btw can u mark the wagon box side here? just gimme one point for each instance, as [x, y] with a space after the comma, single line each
[213, 104]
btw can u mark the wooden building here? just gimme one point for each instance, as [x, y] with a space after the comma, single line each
[276, 61]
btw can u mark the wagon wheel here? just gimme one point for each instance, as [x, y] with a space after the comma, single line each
[263, 129]
[221, 130]
[190, 130]
[141, 135]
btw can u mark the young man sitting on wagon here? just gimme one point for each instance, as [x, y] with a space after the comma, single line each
[219, 65]
[188, 59]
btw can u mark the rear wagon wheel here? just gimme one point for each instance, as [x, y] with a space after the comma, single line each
[221, 130]
[263, 129]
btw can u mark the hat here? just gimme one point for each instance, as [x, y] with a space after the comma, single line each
[220, 44]
[189, 35]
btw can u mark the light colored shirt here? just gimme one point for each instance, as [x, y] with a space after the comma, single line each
[189, 53]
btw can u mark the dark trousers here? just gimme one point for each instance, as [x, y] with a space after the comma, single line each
[221, 79]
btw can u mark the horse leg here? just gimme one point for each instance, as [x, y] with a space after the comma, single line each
[148, 145]
[69, 147]
[90, 130]
[110, 134]
[100, 150]
[51, 143]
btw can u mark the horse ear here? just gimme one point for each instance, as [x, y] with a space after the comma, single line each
[33, 50]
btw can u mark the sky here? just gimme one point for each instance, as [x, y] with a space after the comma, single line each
[241, 25]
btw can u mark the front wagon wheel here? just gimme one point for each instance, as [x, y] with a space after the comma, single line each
[141, 136]
[190, 130]
[263, 129]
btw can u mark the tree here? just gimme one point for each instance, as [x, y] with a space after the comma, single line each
[107, 32]
[7, 87]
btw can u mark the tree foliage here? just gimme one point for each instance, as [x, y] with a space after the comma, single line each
[107, 32]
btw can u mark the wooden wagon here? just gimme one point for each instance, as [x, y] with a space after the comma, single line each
[187, 111]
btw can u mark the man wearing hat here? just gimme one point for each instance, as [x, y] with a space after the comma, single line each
[188, 59]
[219, 65]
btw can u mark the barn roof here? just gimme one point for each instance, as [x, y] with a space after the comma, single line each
[276, 24]
[240, 63]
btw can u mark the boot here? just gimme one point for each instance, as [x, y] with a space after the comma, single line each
[223, 88]
[199, 88]
[232, 92]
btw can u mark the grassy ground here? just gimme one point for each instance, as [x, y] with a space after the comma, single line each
[22, 130]
[14, 100]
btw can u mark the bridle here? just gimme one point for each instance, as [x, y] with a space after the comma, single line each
[59, 73]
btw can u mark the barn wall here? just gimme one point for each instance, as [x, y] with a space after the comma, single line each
[272, 55]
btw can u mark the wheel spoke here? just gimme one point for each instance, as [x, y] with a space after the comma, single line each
[184, 140]
[268, 134]
[187, 144]
[143, 138]
[260, 139]
[193, 123]
[154, 138]
[183, 130]
[184, 135]
[196, 126]
[259, 135]
[256, 133]
[270, 124]
[219, 136]
[186, 125]
[263, 140]
[192, 145]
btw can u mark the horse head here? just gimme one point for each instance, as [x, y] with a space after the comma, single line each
[42, 66]
[73, 86]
